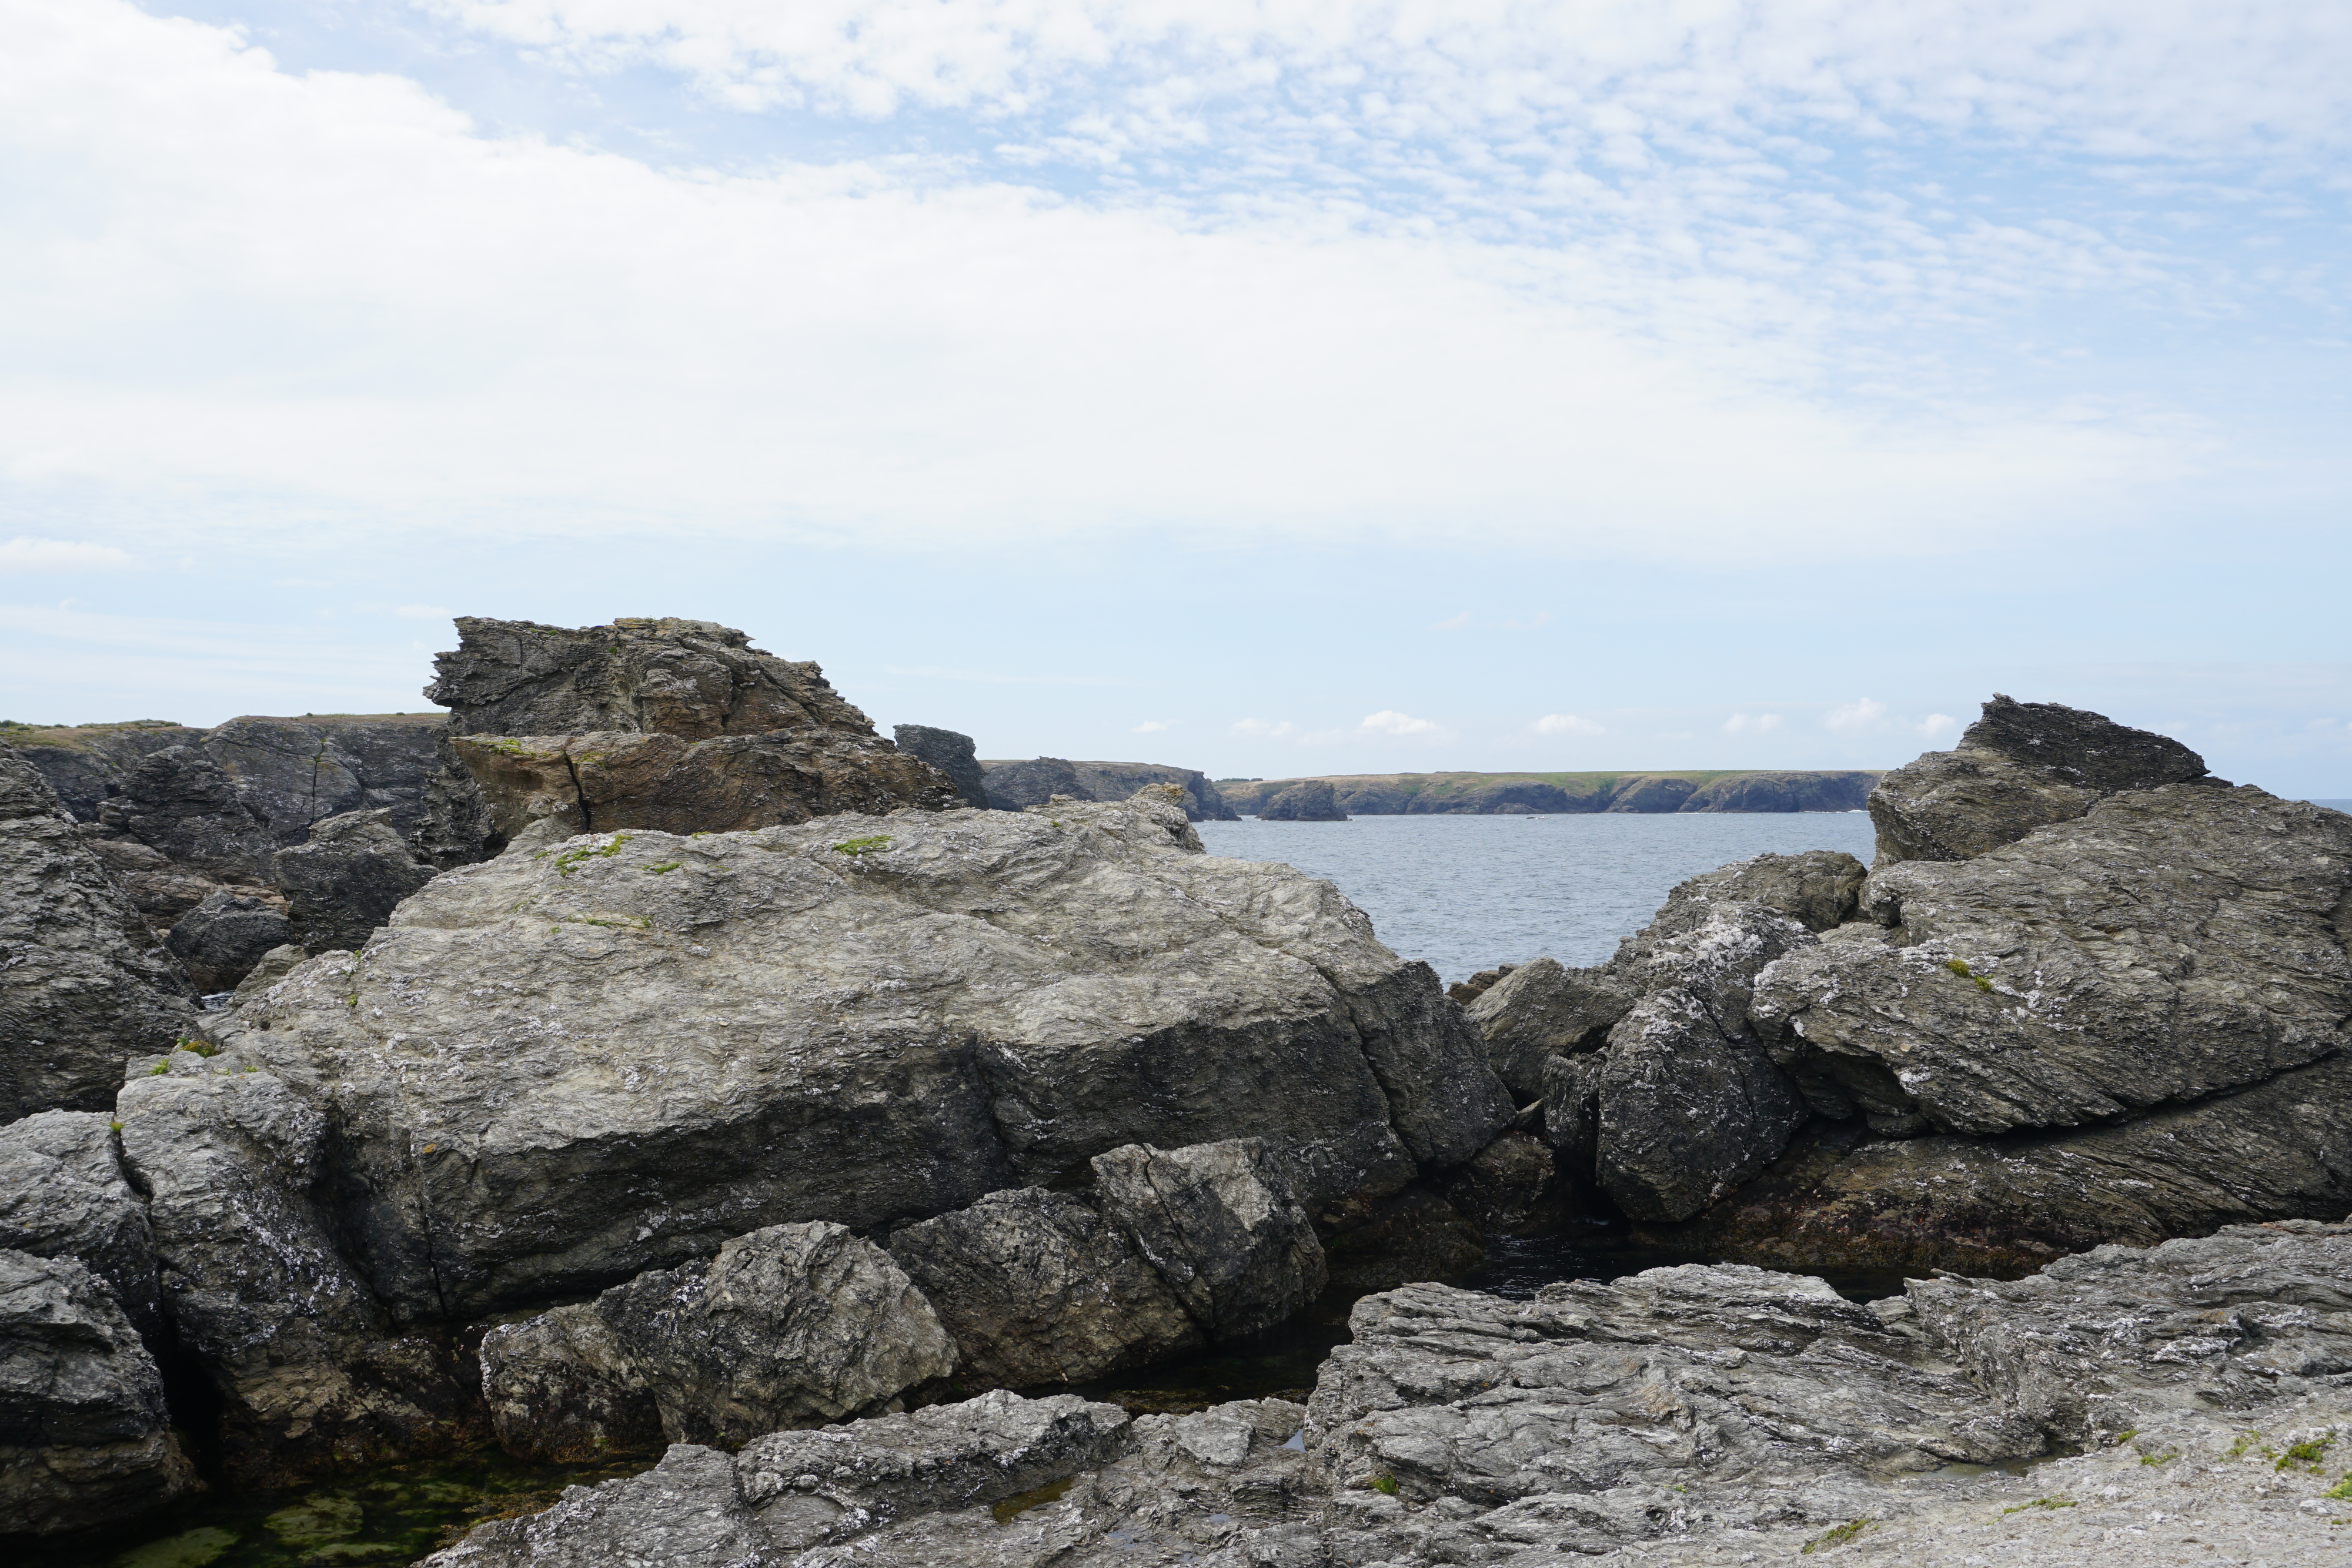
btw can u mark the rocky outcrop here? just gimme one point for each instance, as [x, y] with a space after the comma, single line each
[219, 941]
[1017, 786]
[954, 755]
[669, 724]
[1652, 793]
[1037, 1288]
[1223, 1226]
[587, 1058]
[64, 1194]
[84, 1437]
[2020, 767]
[803, 1490]
[345, 882]
[1309, 802]
[82, 989]
[1691, 1414]
[1681, 1101]
[311, 1376]
[789, 1326]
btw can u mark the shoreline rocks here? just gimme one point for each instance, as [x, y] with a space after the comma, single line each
[1017, 786]
[1553, 794]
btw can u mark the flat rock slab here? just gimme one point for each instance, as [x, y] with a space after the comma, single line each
[577, 1062]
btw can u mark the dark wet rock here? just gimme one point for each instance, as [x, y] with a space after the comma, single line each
[346, 881]
[311, 1376]
[63, 1194]
[951, 754]
[84, 1437]
[1415, 1235]
[1037, 1287]
[1222, 1224]
[1542, 1010]
[2172, 944]
[1309, 802]
[82, 990]
[1512, 1189]
[1017, 786]
[220, 940]
[578, 1062]
[2020, 767]
[562, 1388]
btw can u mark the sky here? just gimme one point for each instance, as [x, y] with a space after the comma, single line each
[1263, 386]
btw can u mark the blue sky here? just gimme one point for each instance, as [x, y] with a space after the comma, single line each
[1264, 387]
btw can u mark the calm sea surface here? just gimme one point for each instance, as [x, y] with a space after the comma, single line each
[1468, 893]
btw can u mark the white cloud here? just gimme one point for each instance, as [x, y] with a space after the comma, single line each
[60, 555]
[1755, 724]
[1261, 729]
[424, 613]
[1452, 623]
[1859, 715]
[1388, 721]
[1152, 726]
[1936, 724]
[280, 296]
[1567, 723]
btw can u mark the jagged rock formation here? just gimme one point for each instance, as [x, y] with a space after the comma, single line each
[954, 755]
[82, 1424]
[311, 1372]
[1222, 1224]
[1017, 786]
[789, 1326]
[64, 1194]
[1308, 802]
[82, 987]
[219, 941]
[866, 1021]
[1037, 1288]
[1702, 1414]
[1550, 794]
[345, 882]
[2020, 767]
[671, 725]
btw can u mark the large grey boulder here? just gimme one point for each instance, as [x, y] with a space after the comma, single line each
[2020, 767]
[219, 941]
[1221, 1225]
[345, 882]
[2169, 945]
[84, 1436]
[311, 1376]
[589, 1058]
[1034, 1287]
[793, 1490]
[64, 1194]
[789, 1326]
[81, 989]
[952, 754]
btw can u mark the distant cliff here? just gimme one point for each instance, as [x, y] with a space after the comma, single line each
[1550, 794]
[1012, 785]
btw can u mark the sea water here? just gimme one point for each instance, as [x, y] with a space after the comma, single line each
[1465, 893]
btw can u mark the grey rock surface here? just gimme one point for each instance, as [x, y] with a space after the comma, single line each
[952, 754]
[1309, 802]
[81, 989]
[2169, 945]
[2020, 767]
[792, 1325]
[219, 941]
[1511, 1189]
[579, 1061]
[64, 1194]
[346, 881]
[84, 1437]
[685, 1513]
[1034, 1287]
[1017, 786]
[1220, 1223]
[311, 1376]
[562, 1388]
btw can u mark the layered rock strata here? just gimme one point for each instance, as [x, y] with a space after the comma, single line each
[83, 988]
[669, 724]
[573, 1063]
